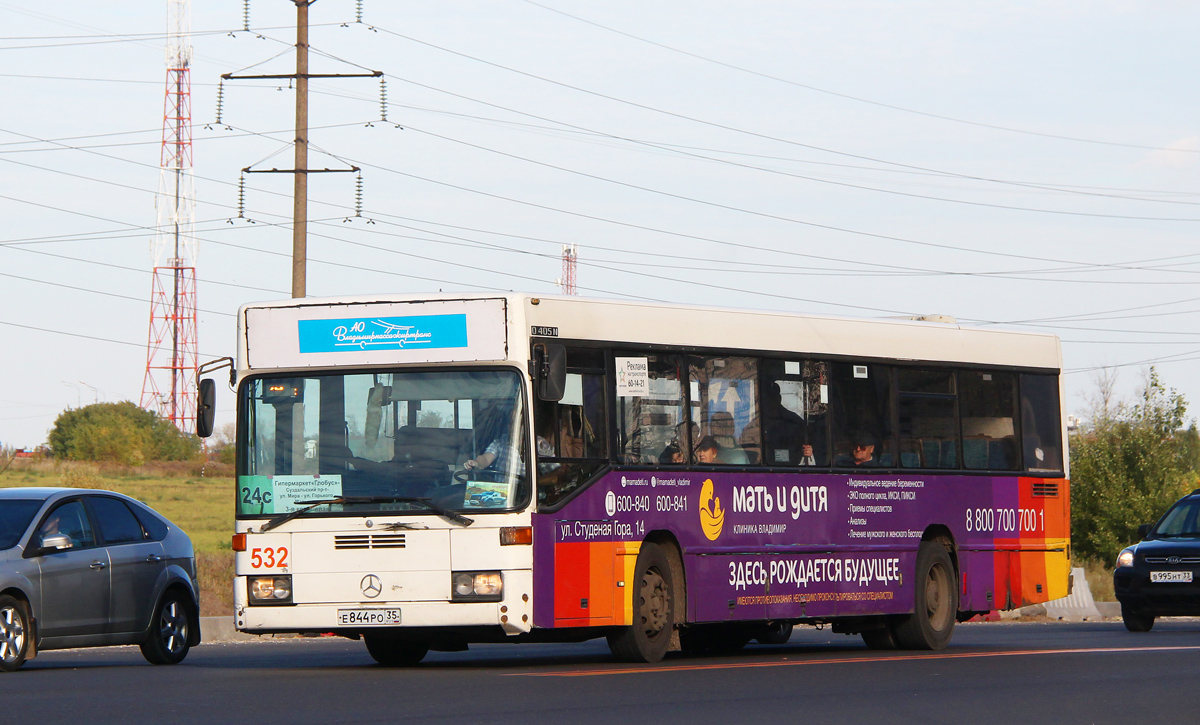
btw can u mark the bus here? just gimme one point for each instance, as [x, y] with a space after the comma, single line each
[428, 473]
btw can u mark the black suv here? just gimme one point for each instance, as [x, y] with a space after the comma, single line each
[1160, 576]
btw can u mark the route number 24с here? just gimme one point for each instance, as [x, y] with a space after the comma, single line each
[268, 557]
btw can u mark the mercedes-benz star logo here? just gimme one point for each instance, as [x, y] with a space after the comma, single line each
[371, 586]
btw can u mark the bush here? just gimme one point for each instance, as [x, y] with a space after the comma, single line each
[1127, 467]
[119, 433]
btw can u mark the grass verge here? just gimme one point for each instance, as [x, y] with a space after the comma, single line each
[1099, 579]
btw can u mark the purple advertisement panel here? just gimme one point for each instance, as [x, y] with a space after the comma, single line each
[774, 545]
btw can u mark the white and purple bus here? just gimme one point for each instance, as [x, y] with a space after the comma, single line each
[430, 473]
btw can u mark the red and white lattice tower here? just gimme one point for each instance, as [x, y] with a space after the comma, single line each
[172, 353]
[570, 256]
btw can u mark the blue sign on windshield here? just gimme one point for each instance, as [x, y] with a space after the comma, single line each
[383, 333]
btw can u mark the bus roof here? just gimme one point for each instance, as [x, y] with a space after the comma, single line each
[658, 323]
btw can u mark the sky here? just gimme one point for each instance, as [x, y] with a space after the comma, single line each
[1030, 165]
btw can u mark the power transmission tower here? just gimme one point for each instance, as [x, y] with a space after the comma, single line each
[570, 258]
[169, 387]
[301, 170]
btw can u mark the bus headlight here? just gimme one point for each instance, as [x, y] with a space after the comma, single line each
[1125, 558]
[477, 586]
[270, 589]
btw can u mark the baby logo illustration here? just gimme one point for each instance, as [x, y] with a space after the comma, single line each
[711, 518]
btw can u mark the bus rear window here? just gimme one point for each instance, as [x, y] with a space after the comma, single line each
[1041, 423]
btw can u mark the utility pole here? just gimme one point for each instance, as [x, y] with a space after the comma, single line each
[301, 170]
[300, 195]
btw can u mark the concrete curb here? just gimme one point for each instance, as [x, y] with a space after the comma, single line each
[221, 629]
[1109, 609]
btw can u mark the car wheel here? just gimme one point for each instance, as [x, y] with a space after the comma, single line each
[647, 639]
[931, 624]
[167, 641]
[14, 633]
[391, 650]
[1135, 621]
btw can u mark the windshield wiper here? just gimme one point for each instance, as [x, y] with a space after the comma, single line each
[309, 505]
[284, 518]
[444, 513]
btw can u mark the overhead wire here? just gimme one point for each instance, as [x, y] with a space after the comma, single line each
[848, 96]
[674, 114]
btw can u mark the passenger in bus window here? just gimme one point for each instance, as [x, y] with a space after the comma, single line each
[862, 452]
[708, 450]
[784, 430]
[545, 449]
[672, 454]
[572, 429]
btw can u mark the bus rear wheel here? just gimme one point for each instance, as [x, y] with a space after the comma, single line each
[654, 596]
[931, 624]
[395, 650]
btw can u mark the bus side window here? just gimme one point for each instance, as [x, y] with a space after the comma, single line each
[860, 396]
[1041, 423]
[795, 406]
[724, 400]
[572, 433]
[928, 418]
[987, 403]
[648, 417]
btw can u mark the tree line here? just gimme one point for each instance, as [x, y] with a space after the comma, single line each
[1129, 463]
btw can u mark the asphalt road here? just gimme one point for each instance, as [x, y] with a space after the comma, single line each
[991, 673]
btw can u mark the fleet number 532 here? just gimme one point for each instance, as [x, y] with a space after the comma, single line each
[269, 557]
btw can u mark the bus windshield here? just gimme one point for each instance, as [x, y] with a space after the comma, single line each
[454, 438]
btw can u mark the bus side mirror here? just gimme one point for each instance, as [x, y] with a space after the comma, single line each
[206, 408]
[550, 371]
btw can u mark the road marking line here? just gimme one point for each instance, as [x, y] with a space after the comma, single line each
[651, 669]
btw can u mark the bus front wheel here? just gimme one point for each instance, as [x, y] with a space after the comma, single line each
[936, 601]
[647, 638]
[395, 650]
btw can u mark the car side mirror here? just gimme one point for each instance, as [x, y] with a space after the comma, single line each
[550, 371]
[1144, 530]
[56, 542]
[206, 408]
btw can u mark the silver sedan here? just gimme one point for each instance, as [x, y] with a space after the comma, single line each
[84, 568]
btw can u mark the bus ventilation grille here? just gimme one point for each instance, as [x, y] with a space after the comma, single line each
[1045, 490]
[369, 541]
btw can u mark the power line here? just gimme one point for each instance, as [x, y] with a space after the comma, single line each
[680, 116]
[138, 345]
[847, 96]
